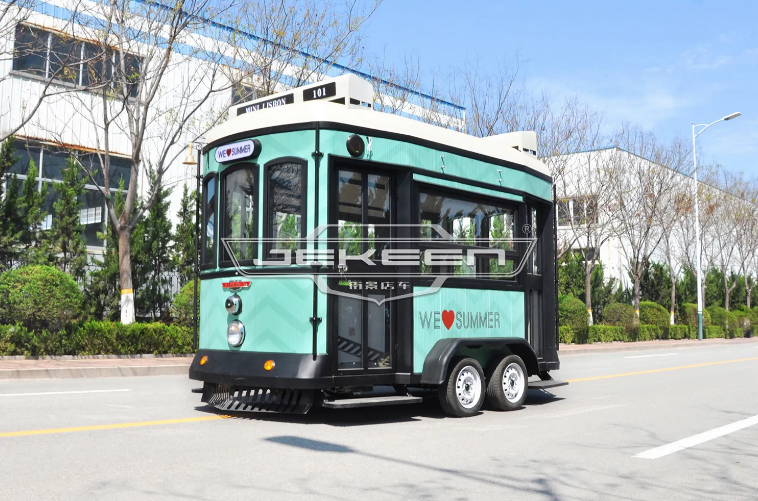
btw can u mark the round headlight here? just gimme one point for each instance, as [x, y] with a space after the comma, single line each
[235, 333]
[233, 305]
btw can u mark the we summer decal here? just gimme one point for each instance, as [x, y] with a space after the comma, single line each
[459, 319]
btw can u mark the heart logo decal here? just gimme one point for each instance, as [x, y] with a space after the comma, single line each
[228, 152]
[448, 317]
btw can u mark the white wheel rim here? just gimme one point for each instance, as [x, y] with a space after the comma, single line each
[513, 382]
[468, 387]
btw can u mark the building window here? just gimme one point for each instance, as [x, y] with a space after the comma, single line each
[564, 212]
[66, 59]
[51, 162]
[242, 92]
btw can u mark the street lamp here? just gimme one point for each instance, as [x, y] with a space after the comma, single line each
[190, 160]
[697, 221]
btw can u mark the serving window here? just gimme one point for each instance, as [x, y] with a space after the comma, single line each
[285, 203]
[470, 224]
[240, 216]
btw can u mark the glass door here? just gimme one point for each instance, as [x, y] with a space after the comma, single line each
[364, 322]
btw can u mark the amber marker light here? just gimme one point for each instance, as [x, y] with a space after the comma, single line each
[203, 360]
[269, 365]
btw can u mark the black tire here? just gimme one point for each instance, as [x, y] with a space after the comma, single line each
[514, 398]
[459, 386]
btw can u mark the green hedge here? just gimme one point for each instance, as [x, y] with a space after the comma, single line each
[679, 332]
[181, 310]
[96, 338]
[606, 333]
[565, 334]
[714, 331]
[654, 314]
[572, 312]
[649, 332]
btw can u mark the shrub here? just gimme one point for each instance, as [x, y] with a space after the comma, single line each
[654, 314]
[97, 338]
[724, 319]
[181, 310]
[39, 298]
[572, 312]
[605, 333]
[621, 315]
[648, 332]
[690, 318]
[565, 334]
[679, 331]
[714, 331]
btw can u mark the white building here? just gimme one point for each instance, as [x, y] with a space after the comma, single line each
[68, 123]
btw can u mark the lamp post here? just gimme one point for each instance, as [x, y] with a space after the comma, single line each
[697, 221]
[190, 160]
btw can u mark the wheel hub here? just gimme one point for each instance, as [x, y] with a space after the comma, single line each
[513, 382]
[468, 387]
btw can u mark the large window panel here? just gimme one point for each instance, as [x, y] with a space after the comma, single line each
[30, 50]
[65, 58]
[240, 216]
[471, 223]
[350, 211]
[92, 216]
[24, 154]
[378, 194]
[209, 221]
[54, 162]
[285, 204]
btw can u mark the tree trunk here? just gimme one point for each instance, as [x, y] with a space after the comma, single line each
[125, 276]
[637, 294]
[749, 293]
[588, 289]
[673, 299]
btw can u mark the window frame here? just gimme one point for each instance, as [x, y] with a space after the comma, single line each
[228, 170]
[204, 224]
[482, 263]
[266, 234]
[82, 64]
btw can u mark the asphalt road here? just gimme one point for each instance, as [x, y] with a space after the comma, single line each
[150, 438]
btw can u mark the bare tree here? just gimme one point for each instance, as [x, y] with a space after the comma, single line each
[647, 171]
[289, 43]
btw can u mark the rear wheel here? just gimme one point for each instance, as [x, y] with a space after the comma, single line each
[462, 393]
[508, 384]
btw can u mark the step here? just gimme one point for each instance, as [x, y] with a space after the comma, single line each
[544, 385]
[351, 403]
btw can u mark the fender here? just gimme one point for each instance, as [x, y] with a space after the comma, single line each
[439, 358]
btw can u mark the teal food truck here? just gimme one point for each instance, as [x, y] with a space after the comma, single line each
[345, 251]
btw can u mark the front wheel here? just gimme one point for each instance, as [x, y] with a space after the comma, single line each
[508, 384]
[462, 393]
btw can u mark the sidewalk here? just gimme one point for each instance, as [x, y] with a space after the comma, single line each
[576, 349]
[75, 367]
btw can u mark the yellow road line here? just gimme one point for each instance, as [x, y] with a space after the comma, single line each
[108, 426]
[666, 369]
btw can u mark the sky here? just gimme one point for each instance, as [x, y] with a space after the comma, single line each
[661, 65]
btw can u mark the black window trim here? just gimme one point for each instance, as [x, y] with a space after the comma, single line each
[266, 193]
[231, 169]
[203, 233]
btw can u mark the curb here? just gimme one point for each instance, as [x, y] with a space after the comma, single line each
[620, 347]
[88, 372]
[96, 357]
